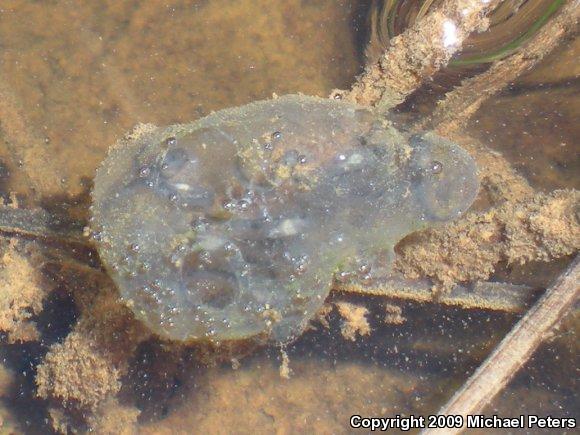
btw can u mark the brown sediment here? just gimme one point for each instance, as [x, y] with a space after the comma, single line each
[393, 315]
[21, 295]
[322, 314]
[540, 228]
[106, 320]
[460, 104]
[528, 127]
[210, 354]
[23, 146]
[7, 380]
[559, 69]
[285, 370]
[319, 398]
[354, 320]
[84, 371]
[78, 373]
[114, 418]
[418, 53]
[67, 90]
[110, 418]
[8, 422]
[499, 182]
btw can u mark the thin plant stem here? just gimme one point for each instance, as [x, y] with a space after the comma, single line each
[515, 349]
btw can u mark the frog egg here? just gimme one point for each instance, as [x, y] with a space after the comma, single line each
[276, 135]
[232, 227]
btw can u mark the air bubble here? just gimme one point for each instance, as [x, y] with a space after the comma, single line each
[436, 167]
[343, 276]
[364, 268]
[144, 171]
[244, 204]
[366, 279]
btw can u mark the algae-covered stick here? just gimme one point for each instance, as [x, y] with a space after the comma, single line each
[39, 223]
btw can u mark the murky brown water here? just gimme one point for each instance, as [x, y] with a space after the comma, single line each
[75, 76]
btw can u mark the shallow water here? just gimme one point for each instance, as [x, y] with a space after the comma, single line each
[74, 77]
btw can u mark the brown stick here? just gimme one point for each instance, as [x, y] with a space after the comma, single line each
[460, 104]
[493, 296]
[515, 349]
[418, 53]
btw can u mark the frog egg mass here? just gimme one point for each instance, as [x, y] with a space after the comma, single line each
[233, 226]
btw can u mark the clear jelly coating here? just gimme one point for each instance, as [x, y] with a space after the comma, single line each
[233, 226]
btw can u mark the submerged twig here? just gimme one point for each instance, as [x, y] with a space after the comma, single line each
[460, 104]
[493, 296]
[38, 223]
[418, 53]
[516, 348]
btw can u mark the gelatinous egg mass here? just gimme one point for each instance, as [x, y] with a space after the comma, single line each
[233, 226]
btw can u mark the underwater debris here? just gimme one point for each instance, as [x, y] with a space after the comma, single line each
[459, 105]
[494, 296]
[114, 418]
[93, 380]
[238, 401]
[322, 315]
[110, 418]
[21, 295]
[511, 25]
[232, 226]
[516, 347]
[541, 228]
[83, 373]
[393, 315]
[354, 320]
[418, 53]
[8, 423]
[285, 370]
